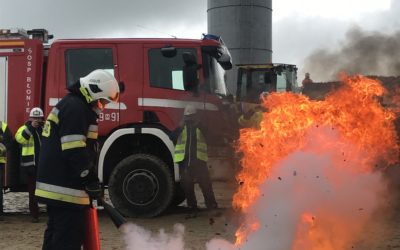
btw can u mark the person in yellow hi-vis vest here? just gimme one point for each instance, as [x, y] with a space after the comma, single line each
[191, 154]
[252, 114]
[5, 143]
[29, 136]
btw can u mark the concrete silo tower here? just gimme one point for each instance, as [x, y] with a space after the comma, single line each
[246, 28]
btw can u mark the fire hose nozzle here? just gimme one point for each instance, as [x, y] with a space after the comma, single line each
[115, 216]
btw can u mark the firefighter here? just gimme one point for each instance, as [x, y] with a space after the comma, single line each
[66, 177]
[29, 136]
[5, 143]
[191, 154]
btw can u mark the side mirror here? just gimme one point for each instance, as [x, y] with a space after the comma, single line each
[225, 58]
[121, 87]
[190, 76]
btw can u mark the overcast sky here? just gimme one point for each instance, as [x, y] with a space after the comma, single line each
[299, 27]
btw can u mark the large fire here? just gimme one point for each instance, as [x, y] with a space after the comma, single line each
[350, 123]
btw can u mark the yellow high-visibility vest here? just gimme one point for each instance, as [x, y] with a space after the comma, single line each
[25, 138]
[253, 122]
[201, 146]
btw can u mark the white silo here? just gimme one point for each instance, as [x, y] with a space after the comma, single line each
[246, 28]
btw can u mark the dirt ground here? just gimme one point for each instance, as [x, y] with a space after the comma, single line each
[17, 232]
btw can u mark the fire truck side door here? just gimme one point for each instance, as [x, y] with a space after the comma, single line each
[164, 94]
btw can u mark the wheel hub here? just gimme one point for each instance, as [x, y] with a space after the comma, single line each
[140, 187]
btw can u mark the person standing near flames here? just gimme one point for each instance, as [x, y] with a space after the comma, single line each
[191, 154]
[5, 143]
[29, 136]
[307, 80]
[66, 177]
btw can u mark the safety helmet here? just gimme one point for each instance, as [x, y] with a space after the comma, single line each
[36, 113]
[189, 110]
[99, 84]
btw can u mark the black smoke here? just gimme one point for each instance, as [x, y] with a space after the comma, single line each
[362, 52]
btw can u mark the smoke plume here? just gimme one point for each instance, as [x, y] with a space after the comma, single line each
[138, 238]
[362, 52]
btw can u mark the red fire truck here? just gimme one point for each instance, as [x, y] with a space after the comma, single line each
[136, 152]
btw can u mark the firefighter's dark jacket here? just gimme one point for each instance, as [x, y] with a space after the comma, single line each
[68, 153]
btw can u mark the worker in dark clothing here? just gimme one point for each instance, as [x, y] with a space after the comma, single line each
[66, 178]
[191, 154]
[29, 136]
[307, 80]
[5, 143]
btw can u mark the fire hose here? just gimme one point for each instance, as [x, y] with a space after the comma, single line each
[115, 216]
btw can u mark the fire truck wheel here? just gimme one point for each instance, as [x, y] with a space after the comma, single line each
[141, 185]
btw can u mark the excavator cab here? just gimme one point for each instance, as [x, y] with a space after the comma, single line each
[254, 79]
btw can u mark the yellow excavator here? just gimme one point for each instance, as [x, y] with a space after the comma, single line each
[254, 80]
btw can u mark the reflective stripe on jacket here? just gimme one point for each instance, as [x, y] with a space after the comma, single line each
[59, 193]
[25, 138]
[180, 148]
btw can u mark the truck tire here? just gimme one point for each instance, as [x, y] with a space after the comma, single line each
[141, 185]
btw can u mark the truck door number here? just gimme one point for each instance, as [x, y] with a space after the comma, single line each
[113, 117]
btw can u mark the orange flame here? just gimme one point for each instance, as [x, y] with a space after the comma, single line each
[241, 232]
[353, 110]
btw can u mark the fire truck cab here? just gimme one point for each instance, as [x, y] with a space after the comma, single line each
[160, 77]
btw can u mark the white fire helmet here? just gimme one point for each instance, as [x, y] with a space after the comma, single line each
[189, 110]
[36, 113]
[100, 84]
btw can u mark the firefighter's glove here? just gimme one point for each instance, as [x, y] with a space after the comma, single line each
[94, 190]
